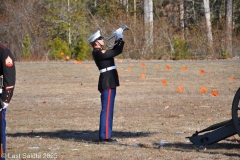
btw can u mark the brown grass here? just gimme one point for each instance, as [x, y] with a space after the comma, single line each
[56, 106]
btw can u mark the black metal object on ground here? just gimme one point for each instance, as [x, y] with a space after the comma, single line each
[222, 130]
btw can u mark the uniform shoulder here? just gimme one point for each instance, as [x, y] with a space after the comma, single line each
[3, 47]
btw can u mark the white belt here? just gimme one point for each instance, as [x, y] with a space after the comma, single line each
[107, 69]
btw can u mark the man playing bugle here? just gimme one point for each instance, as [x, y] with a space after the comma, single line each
[108, 79]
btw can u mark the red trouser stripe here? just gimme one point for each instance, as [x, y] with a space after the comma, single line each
[108, 109]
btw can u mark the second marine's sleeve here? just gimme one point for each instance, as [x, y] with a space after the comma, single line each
[9, 75]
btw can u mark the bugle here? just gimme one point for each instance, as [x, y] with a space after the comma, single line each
[125, 27]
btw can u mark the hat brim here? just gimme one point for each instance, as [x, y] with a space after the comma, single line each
[94, 37]
[99, 38]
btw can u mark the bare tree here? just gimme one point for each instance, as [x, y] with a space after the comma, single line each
[135, 10]
[19, 19]
[148, 24]
[125, 4]
[229, 26]
[95, 3]
[181, 17]
[208, 24]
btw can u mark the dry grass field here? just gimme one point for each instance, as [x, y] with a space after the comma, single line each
[54, 113]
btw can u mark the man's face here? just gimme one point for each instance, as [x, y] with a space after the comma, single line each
[101, 42]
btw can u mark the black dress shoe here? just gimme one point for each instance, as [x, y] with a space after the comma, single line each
[108, 140]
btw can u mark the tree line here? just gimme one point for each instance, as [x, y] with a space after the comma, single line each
[158, 29]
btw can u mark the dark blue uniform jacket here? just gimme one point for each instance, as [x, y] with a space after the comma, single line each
[108, 79]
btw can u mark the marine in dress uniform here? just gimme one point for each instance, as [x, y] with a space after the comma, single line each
[8, 77]
[108, 80]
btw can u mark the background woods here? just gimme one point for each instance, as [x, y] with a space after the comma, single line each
[159, 29]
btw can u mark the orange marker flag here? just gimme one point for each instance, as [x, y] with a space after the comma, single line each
[201, 71]
[180, 89]
[131, 64]
[67, 57]
[157, 66]
[129, 70]
[86, 66]
[77, 62]
[143, 65]
[231, 78]
[214, 92]
[143, 75]
[203, 90]
[184, 68]
[62, 53]
[168, 67]
[164, 82]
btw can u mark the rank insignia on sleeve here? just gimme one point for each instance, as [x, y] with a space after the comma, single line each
[8, 61]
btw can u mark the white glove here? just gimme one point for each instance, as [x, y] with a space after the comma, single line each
[119, 30]
[5, 106]
[118, 33]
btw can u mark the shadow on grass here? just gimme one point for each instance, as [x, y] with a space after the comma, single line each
[217, 148]
[87, 135]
